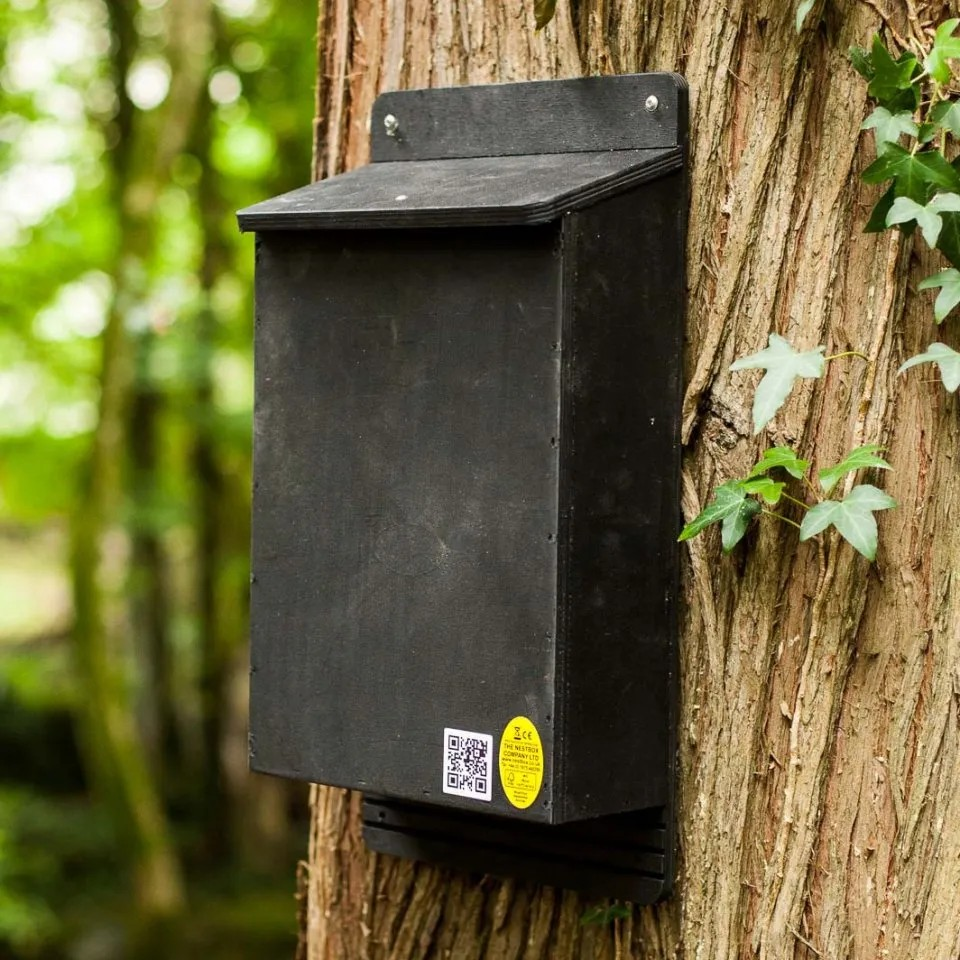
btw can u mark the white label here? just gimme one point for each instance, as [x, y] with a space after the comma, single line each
[467, 763]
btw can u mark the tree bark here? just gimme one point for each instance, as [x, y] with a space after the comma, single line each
[820, 731]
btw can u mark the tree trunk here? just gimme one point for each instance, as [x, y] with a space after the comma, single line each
[115, 751]
[149, 588]
[819, 727]
[218, 632]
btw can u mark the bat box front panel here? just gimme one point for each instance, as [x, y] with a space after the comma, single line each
[405, 506]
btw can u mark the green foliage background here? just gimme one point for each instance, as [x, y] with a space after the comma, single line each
[98, 219]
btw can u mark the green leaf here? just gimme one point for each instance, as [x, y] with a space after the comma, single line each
[857, 459]
[912, 182]
[945, 47]
[732, 508]
[888, 165]
[736, 524]
[852, 517]
[878, 218]
[889, 127]
[947, 115]
[913, 175]
[926, 132]
[949, 243]
[764, 487]
[949, 283]
[803, 11]
[780, 457]
[862, 62]
[938, 171]
[783, 366]
[892, 77]
[946, 359]
[905, 210]
[602, 916]
[544, 11]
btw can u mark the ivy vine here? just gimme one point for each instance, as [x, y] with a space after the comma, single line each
[914, 100]
[737, 502]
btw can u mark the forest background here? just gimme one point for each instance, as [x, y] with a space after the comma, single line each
[130, 132]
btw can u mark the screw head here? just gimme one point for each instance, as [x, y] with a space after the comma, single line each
[652, 104]
[391, 124]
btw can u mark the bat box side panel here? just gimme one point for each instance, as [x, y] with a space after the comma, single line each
[620, 482]
[405, 504]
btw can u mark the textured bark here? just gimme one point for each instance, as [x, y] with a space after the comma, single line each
[819, 728]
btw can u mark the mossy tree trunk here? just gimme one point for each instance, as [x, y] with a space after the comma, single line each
[820, 727]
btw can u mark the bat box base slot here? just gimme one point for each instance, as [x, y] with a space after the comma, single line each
[628, 856]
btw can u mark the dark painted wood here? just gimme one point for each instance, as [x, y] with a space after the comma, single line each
[405, 506]
[620, 498]
[551, 116]
[479, 191]
[466, 457]
[627, 856]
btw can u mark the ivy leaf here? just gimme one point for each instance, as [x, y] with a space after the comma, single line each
[857, 459]
[936, 169]
[602, 916]
[852, 517]
[803, 11]
[945, 47]
[889, 127]
[732, 508]
[543, 11]
[946, 359]
[862, 62]
[947, 115]
[905, 210]
[783, 366]
[949, 283]
[949, 243]
[764, 487]
[780, 457]
[912, 175]
[911, 182]
[891, 83]
[888, 165]
[878, 218]
[926, 132]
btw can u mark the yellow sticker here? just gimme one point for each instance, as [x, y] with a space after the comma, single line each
[521, 762]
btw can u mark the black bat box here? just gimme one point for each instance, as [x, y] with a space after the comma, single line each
[466, 455]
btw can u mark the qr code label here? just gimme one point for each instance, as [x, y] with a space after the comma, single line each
[467, 763]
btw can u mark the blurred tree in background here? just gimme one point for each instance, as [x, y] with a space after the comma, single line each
[129, 133]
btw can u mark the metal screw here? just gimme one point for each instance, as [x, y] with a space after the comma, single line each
[391, 124]
[652, 104]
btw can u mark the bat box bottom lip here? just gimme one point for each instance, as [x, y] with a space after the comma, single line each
[627, 856]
